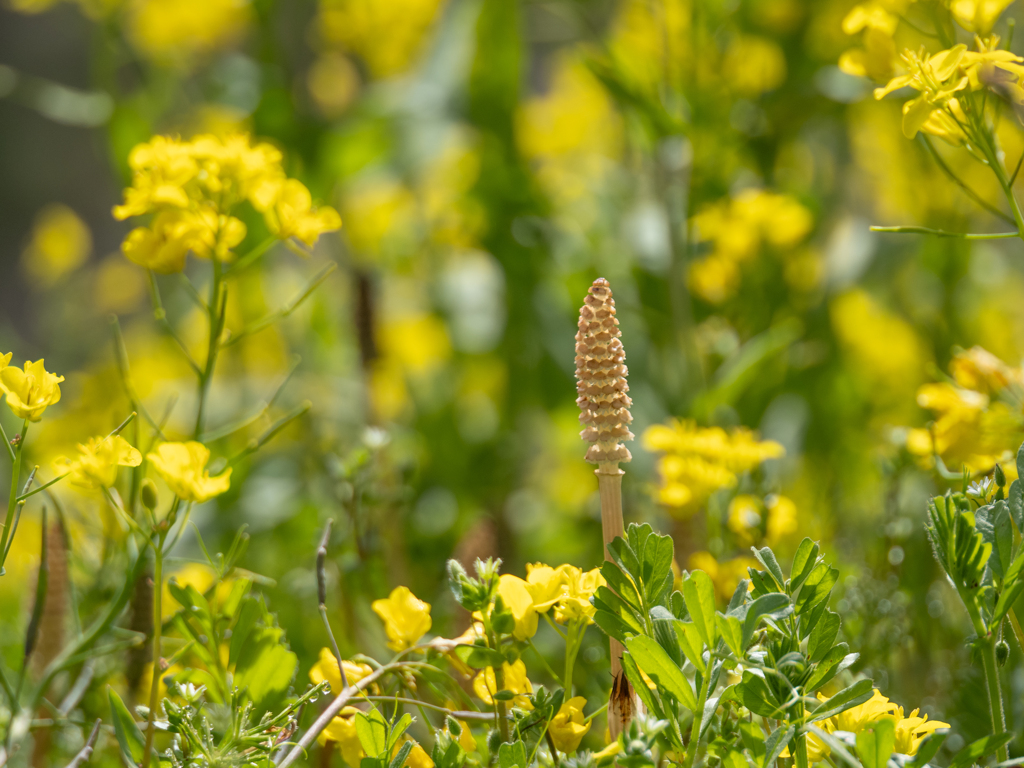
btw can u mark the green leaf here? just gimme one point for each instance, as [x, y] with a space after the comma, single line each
[874, 746]
[803, 563]
[248, 614]
[1015, 499]
[777, 741]
[265, 667]
[512, 755]
[993, 523]
[775, 605]
[855, 694]
[754, 694]
[658, 665]
[699, 594]
[691, 643]
[823, 636]
[982, 748]
[401, 755]
[831, 664]
[766, 557]
[640, 686]
[478, 656]
[372, 731]
[753, 739]
[129, 737]
[731, 631]
[622, 584]
[929, 748]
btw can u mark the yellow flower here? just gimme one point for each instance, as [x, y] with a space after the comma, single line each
[61, 242]
[178, 30]
[484, 685]
[30, 390]
[857, 718]
[5, 359]
[781, 518]
[515, 593]
[912, 730]
[724, 575]
[545, 585]
[745, 517]
[418, 757]
[978, 16]
[754, 65]
[293, 214]
[326, 668]
[97, 462]
[183, 468]
[406, 618]
[342, 731]
[574, 602]
[164, 245]
[567, 727]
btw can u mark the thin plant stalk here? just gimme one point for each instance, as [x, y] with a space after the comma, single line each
[154, 688]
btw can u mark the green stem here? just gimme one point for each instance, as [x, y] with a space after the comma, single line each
[216, 318]
[995, 695]
[698, 716]
[572, 647]
[12, 502]
[154, 688]
[501, 711]
[801, 739]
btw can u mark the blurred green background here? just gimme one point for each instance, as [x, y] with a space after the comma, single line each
[490, 158]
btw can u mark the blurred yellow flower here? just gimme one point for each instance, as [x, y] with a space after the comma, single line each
[754, 65]
[176, 31]
[699, 461]
[60, 243]
[877, 57]
[406, 618]
[326, 668]
[183, 468]
[29, 390]
[782, 520]
[360, 26]
[418, 757]
[577, 589]
[484, 685]
[567, 727]
[745, 517]
[342, 731]
[293, 214]
[978, 16]
[97, 461]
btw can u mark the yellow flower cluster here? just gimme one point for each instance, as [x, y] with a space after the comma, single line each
[192, 188]
[698, 461]
[567, 589]
[183, 468]
[97, 461]
[752, 519]
[911, 729]
[406, 618]
[972, 427]
[737, 229]
[176, 31]
[29, 390]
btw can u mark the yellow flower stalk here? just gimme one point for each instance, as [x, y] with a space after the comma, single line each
[604, 405]
[30, 390]
[97, 462]
[406, 618]
[567, 727]
[183, 468]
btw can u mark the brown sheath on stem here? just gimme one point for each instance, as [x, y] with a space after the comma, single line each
[604, 412]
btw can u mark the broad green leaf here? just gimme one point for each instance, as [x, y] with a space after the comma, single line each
[397, 730]
[690, 641]
[735, 760]
[823, 636]
[372, 731]
[658, 665]
[766, 557]
[248, 614]
[1015, 501]
[875, 745]
[855, 694]
[611, 625]
[777, 741]
[776, 605]
[993, 523]
[982, 748]
[640, 686]
[753, 739]
[754, 694]
[828, 667]
[512, 755]
[699, 594]
[622, 584]
[731, 630]
[478, 656]
[265, 667]
[129, 737]
[803, 564]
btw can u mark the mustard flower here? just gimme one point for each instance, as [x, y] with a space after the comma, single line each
[574, 603]
[30, 390]
[292, 214]
[5, 359]
[545, 585]
[567, 727]
[342, 731]
[515, 593]
[183, 468]
[484, 685]
[978, 16]
[912, 730]
[326, 668]
[97, 461]
[406, 618]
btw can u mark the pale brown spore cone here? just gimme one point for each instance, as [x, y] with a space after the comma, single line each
[601, 381]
